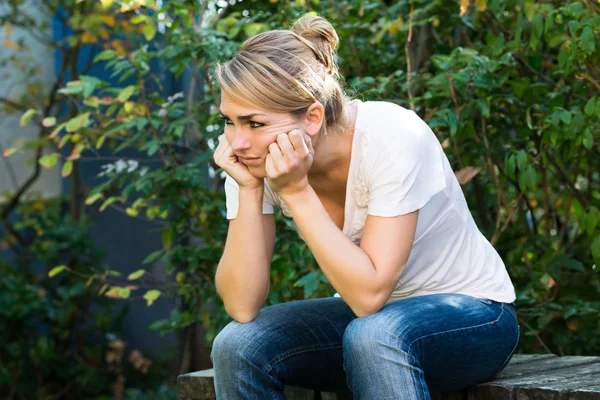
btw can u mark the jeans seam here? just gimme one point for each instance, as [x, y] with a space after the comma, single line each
[298, 350]
[505, 363]
[458, 329]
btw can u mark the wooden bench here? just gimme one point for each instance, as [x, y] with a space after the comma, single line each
[527, 377]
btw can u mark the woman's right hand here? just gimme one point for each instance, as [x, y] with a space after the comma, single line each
[225, 158]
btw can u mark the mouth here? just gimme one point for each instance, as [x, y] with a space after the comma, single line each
[250, 161]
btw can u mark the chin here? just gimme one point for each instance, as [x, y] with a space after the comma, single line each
[258, 172]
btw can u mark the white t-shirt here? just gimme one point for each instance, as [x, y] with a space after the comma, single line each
[398, 166]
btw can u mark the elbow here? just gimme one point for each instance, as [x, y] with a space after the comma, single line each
[368, 305]
[243, 316]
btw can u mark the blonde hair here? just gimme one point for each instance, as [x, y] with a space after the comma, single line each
[287, 71]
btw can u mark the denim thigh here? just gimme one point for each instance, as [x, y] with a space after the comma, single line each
[298, 343]
[455, 339]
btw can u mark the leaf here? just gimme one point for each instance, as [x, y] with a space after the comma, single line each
[89, 85]
[114, 292]
[149, 31]
[56, 131]
[27, 116]
[464, 6]
[167, 238]
[78, 122]
[537, 28]
[480, 5]
[310, 282]
[9, 152]
[49, 121]
[563, 54]
[566, 117]
[56, 270]
[108, 202]
[67, 169]
[92, 199]
[105, 55]
[49, 161]
[11, 45]
[587, 39]
[124, 293]
[100, 142]
[595, 247]
[136, 275]
[151, 296]
[126, 93]
[590, 107]
[466, 174]
[73, 87]
[152, 257]
[103, 289]
[528, 118]
[521, 159]
[571, 324]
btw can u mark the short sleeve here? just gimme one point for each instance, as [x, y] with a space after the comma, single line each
[232, 199]
[404, 165]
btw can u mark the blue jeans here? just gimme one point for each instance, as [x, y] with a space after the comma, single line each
[435, 343]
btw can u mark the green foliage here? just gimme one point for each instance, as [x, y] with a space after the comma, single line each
[511, 88]
[55, 332]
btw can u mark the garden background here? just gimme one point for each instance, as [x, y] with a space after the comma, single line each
[112, 214]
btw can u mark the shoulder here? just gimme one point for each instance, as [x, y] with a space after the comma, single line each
[384, 121]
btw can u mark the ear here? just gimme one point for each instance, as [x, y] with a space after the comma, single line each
[314, 118]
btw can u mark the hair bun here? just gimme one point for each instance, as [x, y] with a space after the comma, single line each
[322, 35]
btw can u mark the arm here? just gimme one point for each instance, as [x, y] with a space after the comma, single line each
[364, 276]
[242, 276]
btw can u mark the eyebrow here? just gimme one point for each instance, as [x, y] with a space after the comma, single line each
[242, 117]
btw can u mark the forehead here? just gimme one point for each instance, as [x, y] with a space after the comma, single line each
[235, 105]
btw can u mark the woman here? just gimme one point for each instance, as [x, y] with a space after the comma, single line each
[424, 302]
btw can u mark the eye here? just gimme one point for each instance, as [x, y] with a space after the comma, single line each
[227, 121]
[255, 125]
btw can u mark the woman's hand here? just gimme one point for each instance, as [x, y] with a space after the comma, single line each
[288, 162]
[225, 158]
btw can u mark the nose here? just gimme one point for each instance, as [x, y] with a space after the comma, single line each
[240, 141]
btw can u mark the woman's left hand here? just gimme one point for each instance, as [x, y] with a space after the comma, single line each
[288, 162]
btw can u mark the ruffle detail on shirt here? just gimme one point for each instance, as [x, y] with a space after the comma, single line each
[361, 191]
[284, 208]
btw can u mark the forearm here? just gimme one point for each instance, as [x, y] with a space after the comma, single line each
[242, 277]
[347, 267]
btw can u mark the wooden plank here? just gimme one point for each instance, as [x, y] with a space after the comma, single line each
[538, 377]
[557, 390]
[196, 385]
[295, 393]
[519, 359]
[543, 365]
[545, 385]
[590, 393]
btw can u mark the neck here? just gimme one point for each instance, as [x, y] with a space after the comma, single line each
[332, 151]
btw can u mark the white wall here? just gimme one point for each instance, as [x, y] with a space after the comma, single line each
[12, 85]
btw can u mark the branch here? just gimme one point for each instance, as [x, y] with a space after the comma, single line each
[16, 106]
[407, 53]
[567, 181]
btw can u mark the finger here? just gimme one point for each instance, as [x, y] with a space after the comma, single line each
[269, 167]
[276, 156]
[308, 142]
[298, 141]
[283, 140]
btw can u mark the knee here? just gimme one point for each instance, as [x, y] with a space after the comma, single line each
[373, 335]
[233, 343]
[363, 336]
